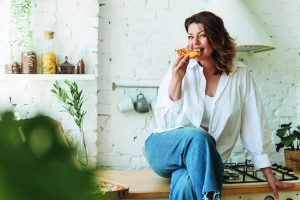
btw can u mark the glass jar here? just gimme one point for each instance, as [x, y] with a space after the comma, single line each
[49, 56]
[28, 63]
[66, 67]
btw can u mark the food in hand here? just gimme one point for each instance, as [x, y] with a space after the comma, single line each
[192, 53]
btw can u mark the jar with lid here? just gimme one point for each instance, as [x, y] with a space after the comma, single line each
[28, 62]
[49, 56]
[66, 67]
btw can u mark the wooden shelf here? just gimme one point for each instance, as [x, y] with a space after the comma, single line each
[47, 77]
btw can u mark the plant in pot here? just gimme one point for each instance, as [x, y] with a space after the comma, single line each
[290, 139]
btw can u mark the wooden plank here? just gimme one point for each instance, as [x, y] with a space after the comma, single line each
[144, 183]
[250, 189]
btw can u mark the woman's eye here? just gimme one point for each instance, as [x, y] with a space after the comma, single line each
[190, 37]
[202, 36]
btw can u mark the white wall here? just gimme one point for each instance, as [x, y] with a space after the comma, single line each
[134, 41]
[137, 39]
[75, 24]
[276, 72]
[4, 30]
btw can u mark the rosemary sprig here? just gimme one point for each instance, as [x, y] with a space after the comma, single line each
[72, 103]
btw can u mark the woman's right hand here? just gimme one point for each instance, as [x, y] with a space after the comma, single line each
[178, 72]
[179, 68]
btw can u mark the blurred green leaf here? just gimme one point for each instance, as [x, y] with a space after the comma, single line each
[41, 166]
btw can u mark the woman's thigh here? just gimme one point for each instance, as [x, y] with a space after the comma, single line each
[164, 151]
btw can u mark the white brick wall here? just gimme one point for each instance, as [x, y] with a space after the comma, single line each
[137, 41]
[75, 24]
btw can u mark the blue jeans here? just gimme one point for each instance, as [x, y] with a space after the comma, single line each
[189, 156]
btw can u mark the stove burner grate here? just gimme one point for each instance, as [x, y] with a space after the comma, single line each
[246, 173]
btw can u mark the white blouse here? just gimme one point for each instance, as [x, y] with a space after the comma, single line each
[208, 107]
[236, 110]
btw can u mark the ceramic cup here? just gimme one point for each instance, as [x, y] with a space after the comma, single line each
[125, 104]
[141, 105]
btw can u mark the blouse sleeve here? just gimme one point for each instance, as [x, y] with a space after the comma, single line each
[254, 130]
[166, 111]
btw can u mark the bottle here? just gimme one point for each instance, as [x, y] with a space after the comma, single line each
[80, 67]
[48, 56]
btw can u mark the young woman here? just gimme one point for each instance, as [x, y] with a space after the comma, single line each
[204, 104]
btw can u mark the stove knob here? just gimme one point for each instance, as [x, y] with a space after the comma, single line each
[269, 198]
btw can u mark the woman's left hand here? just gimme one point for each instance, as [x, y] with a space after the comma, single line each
[274, 183]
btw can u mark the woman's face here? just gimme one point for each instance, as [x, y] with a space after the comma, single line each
[197, 39]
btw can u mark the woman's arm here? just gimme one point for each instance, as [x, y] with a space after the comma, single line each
[274, 183]
[255, 135]
[178, 72]
[169, 95]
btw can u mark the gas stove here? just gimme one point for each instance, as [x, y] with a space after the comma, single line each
[246, 173]
[243, 182]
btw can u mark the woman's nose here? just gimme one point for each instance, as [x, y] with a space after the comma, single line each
[196, 40]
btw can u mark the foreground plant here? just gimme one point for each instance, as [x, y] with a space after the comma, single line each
[36, 163]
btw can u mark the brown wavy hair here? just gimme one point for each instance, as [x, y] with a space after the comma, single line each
[218, 37]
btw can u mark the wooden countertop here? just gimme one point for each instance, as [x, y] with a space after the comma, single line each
[144, 183]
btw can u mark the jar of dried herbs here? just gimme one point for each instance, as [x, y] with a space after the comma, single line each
[29, 63]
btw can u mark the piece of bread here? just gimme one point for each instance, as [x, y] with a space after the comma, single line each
[192, 53]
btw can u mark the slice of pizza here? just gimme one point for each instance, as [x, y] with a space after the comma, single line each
[192, 53]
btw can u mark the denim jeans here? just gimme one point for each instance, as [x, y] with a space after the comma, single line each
[189, 157]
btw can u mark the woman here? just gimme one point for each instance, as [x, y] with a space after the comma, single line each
[204, 104]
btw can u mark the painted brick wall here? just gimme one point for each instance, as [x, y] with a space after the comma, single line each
[137, 39]
[276, 72]
[75, 24]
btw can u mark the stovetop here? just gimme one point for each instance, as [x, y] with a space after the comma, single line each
[246, 173]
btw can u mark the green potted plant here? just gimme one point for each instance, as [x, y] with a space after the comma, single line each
[290, 139]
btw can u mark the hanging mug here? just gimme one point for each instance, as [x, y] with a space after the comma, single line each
[141, 105]
[125, 104]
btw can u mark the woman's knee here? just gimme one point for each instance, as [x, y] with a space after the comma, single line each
[198, 135]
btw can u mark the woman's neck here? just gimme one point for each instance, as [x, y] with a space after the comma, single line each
[209, 67]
